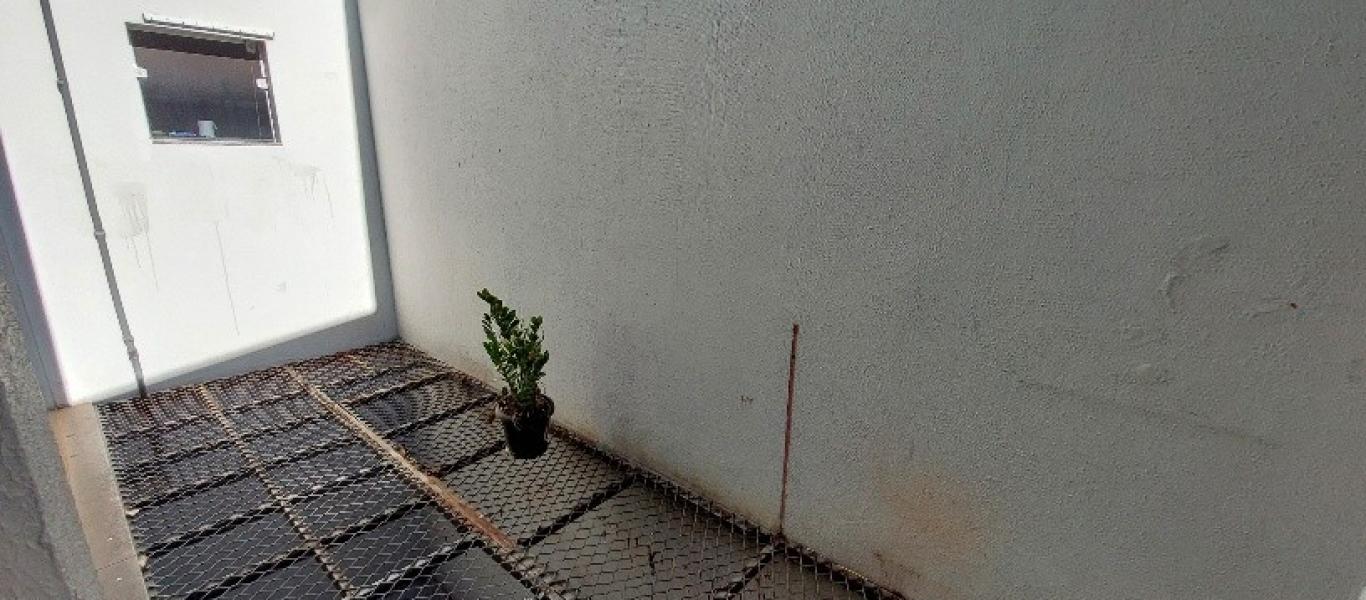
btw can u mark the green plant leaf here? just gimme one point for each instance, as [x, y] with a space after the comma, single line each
[514, 347]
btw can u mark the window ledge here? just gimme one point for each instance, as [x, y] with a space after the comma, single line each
[215, 142]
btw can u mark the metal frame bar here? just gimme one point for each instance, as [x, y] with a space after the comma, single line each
[255, 464]
[236, 475]
[500, 548]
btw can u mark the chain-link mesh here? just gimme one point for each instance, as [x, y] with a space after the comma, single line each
[796, 573]
[380, 473]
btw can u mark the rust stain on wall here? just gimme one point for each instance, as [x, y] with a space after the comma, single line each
[942, 533]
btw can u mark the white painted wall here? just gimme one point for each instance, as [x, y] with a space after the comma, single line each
[1080, 283]
[221, 252]
[42, 167]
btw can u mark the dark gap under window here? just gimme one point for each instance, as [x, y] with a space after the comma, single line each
[204, 89]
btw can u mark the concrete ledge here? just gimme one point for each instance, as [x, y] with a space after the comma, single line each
[91, 478]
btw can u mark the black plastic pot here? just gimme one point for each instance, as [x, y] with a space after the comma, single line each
[525, 430]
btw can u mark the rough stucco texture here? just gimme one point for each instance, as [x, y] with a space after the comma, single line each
[1079, 283]
[29, 570]
[42, 550]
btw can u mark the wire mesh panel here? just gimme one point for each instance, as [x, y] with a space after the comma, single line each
[269, 496]
[385, 534]
[347, 499]
[157, 482]
[529, 498]
[641, 543]
[131, 451]
[383, 381]
[280, 412]
[161, 412]
[468, 574]
[381, 473]
[237, 551]
[299, 443]
[299, 476]
[371, 371]
[438, 423]
[305, 578]
[407, 534]
[799, 576]
[418, 404]
[178, 522]
[252, 389]
[441, 446]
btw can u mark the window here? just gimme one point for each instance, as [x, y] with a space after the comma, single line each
[204, 89]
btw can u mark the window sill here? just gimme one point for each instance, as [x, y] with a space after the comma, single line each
[214, 142]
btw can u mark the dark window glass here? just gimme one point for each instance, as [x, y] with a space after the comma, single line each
[202, 89]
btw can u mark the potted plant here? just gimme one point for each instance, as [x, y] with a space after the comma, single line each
[515, 348]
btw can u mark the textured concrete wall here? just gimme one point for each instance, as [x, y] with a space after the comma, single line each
[43, 553]
[1080, 283]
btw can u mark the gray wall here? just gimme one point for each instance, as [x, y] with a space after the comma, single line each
[1080, 284]
[43, 553]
